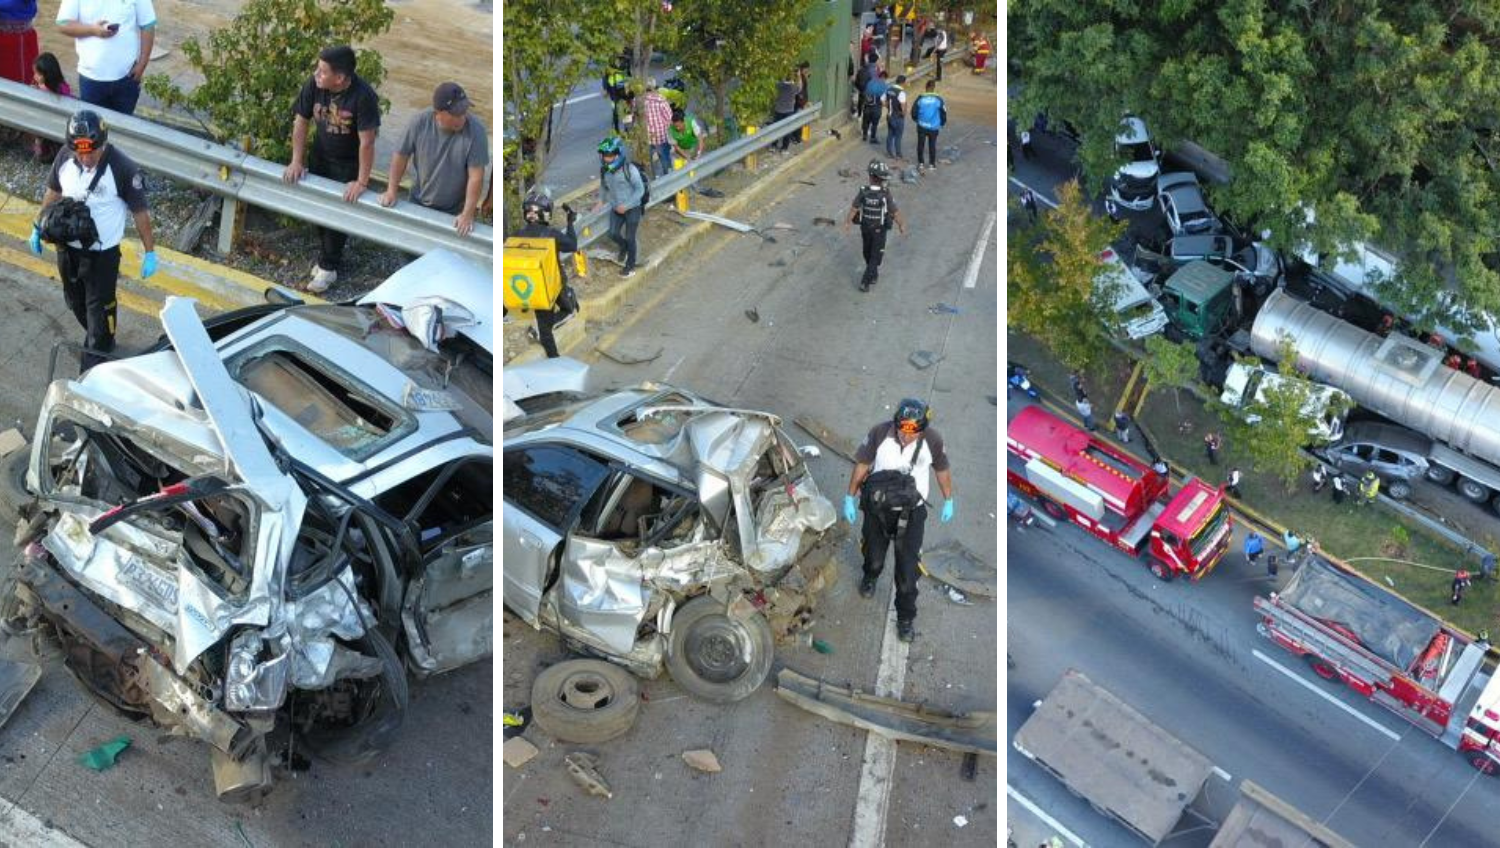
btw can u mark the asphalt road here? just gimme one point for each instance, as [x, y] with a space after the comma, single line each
[819, 348]
[432, 788]
[580, 125]
[1184, 654]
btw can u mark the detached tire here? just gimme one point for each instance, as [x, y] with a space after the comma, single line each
[584, 701]
[716, 657]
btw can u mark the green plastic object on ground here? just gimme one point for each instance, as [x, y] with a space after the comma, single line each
[822, 647]
[104, 756]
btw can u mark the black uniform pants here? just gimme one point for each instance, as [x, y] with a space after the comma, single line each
[331, 242]
[873, 241]
[928, 138]
[89, 278]
[869, 124]
[546, 319]
[786, 140]
[878, 533]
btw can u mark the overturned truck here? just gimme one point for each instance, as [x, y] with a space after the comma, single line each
[285, 505]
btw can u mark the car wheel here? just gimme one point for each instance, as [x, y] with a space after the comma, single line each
[584, 701]
[1399, 489]
[1054, 509]
[1476, 492]
[1482, 762]
[1439, 475]
[1160, 570]
[13, 493]
[717, 657]
[1174, 334]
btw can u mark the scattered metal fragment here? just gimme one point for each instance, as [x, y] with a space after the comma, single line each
[753, 315]
[941, 308]
[583, 768]
[975, 732]
[924, 359]
[826, 437]
[703, 760]
[954, 565]
[626, 353]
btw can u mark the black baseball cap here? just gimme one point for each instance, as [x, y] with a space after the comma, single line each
[450, 97]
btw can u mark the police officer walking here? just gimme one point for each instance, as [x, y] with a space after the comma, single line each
[91, 170]
[890, 485]
[875, 211]
[537, 210]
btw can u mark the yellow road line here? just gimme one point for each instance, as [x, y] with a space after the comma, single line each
[42, 267]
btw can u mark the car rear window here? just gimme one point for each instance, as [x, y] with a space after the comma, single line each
[656, 429]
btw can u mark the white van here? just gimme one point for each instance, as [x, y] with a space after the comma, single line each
[1138, 312]
[1247, 384]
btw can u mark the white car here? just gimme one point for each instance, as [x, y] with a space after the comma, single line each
[1136, 310]
[1183, 203]
[1134, 182]
[1246, 385]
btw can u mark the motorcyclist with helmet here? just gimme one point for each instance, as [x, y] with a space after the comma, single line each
[890, 485]
[105, 186]
[536, 209]
[622, 187]
[875, 211]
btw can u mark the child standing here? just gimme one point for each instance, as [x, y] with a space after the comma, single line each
[47, 75]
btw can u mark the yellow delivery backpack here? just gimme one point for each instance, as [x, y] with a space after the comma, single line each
[531, 276]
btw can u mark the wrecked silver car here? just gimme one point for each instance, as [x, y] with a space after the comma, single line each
[253, 532]
[656, 529]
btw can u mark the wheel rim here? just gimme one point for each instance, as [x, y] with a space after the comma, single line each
[1158, 569]
[1053, 509]
[1473, 491]
[717, 650]
[586, 690]
[1484, 764]
[1323, 670]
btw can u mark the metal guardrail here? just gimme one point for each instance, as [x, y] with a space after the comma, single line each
[238, 176]
[711, 163]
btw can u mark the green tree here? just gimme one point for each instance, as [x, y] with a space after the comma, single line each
[1281, 420]
[548, 50]
[253, 68]
[750, 43]
[1379, 117]
[1170, 366]
[1052, 267]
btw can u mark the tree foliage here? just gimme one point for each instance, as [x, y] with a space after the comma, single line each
[1380, 117]
[561, 41]
[1284, 420]
[751, 43]
[1050, 283]
[1170, 366]
[253, 68]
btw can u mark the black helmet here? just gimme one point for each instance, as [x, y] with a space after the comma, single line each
[879, 170]
[539, 204]
[911, 413]
[86, 131]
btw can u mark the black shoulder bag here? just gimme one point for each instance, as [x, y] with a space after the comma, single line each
[893, 492]
[69, 220]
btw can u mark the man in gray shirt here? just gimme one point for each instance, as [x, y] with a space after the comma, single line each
[622, 187]
[448, 151]
[786, 105]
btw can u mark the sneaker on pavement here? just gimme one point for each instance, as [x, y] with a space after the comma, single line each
[321, 280]
[627, 272]
[906, 631]
[867, 586]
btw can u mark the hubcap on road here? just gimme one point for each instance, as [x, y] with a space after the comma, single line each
[716, 650]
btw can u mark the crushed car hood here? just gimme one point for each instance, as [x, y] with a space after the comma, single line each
[441, 275]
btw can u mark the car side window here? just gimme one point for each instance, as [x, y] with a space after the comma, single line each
[551, 482]
[1364, 452]
[1387, 457]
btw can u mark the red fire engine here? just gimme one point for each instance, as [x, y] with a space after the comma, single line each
[1393, 652]
[1101, 488]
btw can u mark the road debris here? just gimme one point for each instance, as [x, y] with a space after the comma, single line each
[970, 767]
[16, 682]
[826, 222]
[826, 437]
[518, 752]
[626, 353]
[924, 359]
[956, 566]
[944, 309]
[910, 175]
[737, 226]
[960, 821]
[583, 768]
[976, 732]
[104, 756]
[708, 191]
[703, 760]
[753, 315]
[11, 441]
[522, 719]
[958, 597]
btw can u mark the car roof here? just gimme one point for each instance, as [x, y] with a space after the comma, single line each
[1127, 291]
[1209, 244]
[1387, 435]
[1188, 199]
[1132, 131]
[1175, 179]
[444, 274]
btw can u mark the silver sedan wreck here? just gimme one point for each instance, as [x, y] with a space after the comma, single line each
[656, 529]
[255, 530]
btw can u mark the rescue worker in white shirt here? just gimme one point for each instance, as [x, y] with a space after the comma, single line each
[88, 168]
[897, 453]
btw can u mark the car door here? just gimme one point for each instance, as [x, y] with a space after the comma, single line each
[546, 487]
[448, 609]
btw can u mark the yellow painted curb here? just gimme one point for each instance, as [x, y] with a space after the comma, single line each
[215, 286]
[46, 267]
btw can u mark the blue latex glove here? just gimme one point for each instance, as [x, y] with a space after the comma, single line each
[851, 509]
[947, 514]
[36, 241]
[148, 264]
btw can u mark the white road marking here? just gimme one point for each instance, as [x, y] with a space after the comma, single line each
[1039, 195]
[580, 98]
[972, 275]
[18, 827]
[1223, 775]
[873, 801]
[1048, 820]
[1389, 734]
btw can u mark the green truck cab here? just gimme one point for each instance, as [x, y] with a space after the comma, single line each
[1199, 301]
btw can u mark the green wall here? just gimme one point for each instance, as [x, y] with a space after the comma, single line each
[829, 83]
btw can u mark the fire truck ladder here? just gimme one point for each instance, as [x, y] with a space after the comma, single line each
[1303, 630]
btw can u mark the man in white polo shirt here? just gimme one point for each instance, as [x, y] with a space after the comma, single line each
[114, 40]
[88, 168]
[890, 478]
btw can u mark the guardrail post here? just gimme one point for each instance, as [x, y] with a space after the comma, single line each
[228, 223]
[682, 196]
[750, 158]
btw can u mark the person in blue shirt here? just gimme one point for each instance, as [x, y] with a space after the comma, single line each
[870, 106]
[930, 114]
